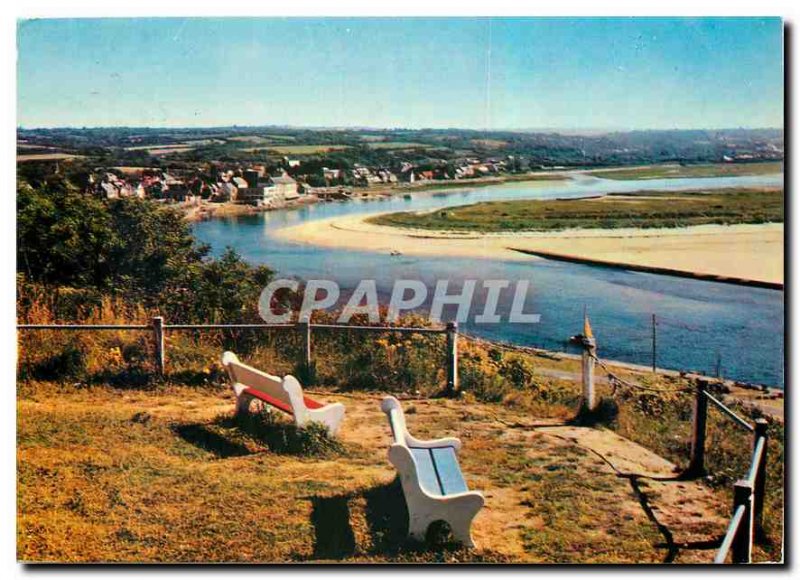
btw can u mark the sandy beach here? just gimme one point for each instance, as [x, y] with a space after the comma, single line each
[750, 252]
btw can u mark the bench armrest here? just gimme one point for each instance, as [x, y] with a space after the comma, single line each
[473, 498]
[453, 442]
[238, 388]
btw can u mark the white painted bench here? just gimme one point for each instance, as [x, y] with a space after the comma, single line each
[285, 394]
[432, 482]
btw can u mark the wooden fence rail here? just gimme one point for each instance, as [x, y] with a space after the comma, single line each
[748, 503]
[749, 493]
[159, 330]
[738, 537]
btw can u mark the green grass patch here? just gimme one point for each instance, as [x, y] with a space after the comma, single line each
[398, 145]
[688, 171]
[304, 149]
[644, 209]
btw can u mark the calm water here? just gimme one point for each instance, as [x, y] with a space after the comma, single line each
[699, 324]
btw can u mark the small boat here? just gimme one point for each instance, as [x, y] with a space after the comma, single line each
[395, 253]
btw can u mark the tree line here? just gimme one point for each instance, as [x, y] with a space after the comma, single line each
[71, 243]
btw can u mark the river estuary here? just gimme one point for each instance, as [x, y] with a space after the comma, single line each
[701, 325]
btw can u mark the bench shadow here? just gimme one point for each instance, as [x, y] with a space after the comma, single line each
[333, 536]
[387, 517]
[201, 436]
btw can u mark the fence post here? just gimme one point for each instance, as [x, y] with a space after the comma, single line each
[158, 335]
[742, 546]
[759, 486]
[305, 327]
[452, 358]
[697, 462]
[587, 372]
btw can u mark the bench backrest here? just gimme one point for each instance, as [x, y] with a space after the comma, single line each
[238, 372]
[397, 419]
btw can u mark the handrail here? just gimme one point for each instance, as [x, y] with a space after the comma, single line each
[84, 327]
[758, 451]
[724, 408]
[241, 326]
[411, 329]
[730, 534]
[751, 487]
[225, 326]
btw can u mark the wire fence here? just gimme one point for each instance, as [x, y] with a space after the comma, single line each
[409, 353]
[717, 350]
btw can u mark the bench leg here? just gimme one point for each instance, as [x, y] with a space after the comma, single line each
[243, 405]
[418, 527]
[461, 526]
[458, 513]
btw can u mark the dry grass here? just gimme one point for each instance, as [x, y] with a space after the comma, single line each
[399, 145]
[115, 464]
[164, 476]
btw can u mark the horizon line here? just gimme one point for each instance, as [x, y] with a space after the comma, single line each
[399, 128]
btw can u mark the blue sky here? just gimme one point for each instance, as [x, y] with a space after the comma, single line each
[500, 73]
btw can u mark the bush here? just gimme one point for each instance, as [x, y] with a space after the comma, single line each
[286, 438]
[605, 414]
[68, 363]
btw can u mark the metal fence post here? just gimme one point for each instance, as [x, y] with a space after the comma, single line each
[158, 335]
[697, 462]
[587, 373]
[759, 486]
[742, 546]
[452, 357]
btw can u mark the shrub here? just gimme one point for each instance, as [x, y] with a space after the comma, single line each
[286, 438]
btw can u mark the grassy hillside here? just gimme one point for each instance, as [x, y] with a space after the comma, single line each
[121, 465]
[167, 475]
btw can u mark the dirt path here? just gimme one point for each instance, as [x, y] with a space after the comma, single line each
[498, 452]
[686, 513]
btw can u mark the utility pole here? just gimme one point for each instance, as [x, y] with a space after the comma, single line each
[654, 343]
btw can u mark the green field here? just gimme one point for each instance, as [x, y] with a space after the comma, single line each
[46, 157]
[398, 145]
[304, 149]
[683, 171]
[645, 209]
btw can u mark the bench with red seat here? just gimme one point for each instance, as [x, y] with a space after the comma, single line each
[285, 394]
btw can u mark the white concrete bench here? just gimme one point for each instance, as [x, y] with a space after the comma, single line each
[285, 394]
[432, 482]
